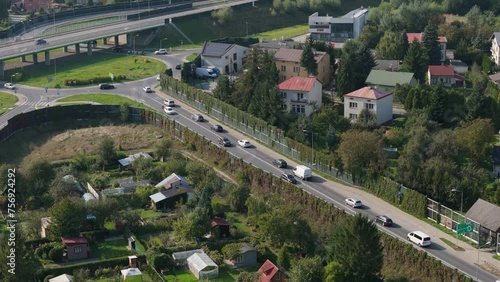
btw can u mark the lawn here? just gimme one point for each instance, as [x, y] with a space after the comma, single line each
[191, 57]
[239, 221]
[111, 249]
[106, 99]
[90, 67]
[145, 214]
[286, 32]
[225, 275]
[7, 101]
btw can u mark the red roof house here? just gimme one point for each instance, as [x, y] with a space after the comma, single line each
[443, 74]
[441, 39]
[300, 94]
[271, 273]
[75, 247]
[288, 64]
[375, 100]
[31, 5]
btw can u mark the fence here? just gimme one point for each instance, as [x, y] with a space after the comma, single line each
[78, 26]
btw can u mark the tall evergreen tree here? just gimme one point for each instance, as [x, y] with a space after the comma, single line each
[224, 89]
[403, 46]
[416, 61]
[344, 79]
[307, 59]
[389, 47]
[364, 262]
[430, 41]
[437, 104]
[4, 10]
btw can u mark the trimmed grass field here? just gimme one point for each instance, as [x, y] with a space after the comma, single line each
[111, 249]
[286, 32]
[191, 57]
[145, 214]
[7, 101]
[105, 99]
[90, 67]
[225, 275]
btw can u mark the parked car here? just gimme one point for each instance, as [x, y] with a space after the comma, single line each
[197, 117]
[205, 73]
[280, 163]
[178, 67]
[217, 128]
[244, 143]
[40, 41]
[147, 89]
[9, 85]
[384, 220]
[288, 178]
[169, 103]
[158, 77]
[224, 141]
[106, 86]
[169, 111]
[419, 238]
[353, 203]
[161, 52]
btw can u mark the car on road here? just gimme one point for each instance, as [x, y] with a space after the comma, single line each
[280, 163]
[9, 85]
[169, 111]
[178, 67]
[169, 102]
[104, 86]
[147, 89]
[288, 178]
[419, 238]
[353, 203]
[158, 77]
[161, 52]
[217, 128]
[197, 117]
[224, 141]
[383, 220]
[244, 143]
[40, 41]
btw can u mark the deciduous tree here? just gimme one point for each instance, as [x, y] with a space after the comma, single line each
[389, 46]
[476, 139]
[25, 263]
[106, 152]
[67, 218]
[307, 270]
[192, 225]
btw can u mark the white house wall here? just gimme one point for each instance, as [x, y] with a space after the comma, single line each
[226, 59]
[382, 108]
[495, 52]
[314, 96]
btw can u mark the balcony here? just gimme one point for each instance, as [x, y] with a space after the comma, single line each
[299, 101]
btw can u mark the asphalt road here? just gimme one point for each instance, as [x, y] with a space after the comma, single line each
[26, 48]
[262, 157]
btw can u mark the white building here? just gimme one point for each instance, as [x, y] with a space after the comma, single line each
[331, 29]
[443, 74]
[375, 100]
[301, 94]
[495, 48]
[228, 58]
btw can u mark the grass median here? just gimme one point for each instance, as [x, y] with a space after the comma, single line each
[105, 99]
[7, 101]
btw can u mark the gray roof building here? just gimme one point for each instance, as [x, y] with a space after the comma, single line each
[214, 49]
[173, 181]
[487, 214]
[128, 160]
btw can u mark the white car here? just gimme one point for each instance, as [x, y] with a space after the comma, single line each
[169, 111]
[169, 103]
[353, 203]
[158, 77]
[10, 86]
[244, 143]
[147, 89]
[161, 52]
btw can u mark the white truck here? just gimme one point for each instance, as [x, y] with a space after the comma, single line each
[303, 172]
[205, 73]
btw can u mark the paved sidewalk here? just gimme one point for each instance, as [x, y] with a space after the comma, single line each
[483, 258]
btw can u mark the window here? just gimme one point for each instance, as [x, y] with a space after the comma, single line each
[283, 95]
[283, 78]
[296, 69]
[369, 106]
[353, 116]
[353, 105]
[235, 56]
[299, 108]
[227, 57]
[77, 250]
[283, 68]
[283, 106]
[239, 259]
[300, 96]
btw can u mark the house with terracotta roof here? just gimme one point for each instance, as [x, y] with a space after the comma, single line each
[301, 94]
[443, 74]
[271, 273]
[288, 65]
[228, 58]
[32, 5]
[75, 248]
[495, 48]
[375, 100]
[441, 39]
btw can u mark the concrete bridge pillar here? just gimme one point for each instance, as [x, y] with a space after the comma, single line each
[77, 48]
[47, 58]
[129, 40]
[117, 40]
[65, 49]
[35, 58]
[23, 59]
[89, 48]
[2, 74]
[105, 41]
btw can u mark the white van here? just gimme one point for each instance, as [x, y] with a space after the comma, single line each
[303, 172]
[419, 238]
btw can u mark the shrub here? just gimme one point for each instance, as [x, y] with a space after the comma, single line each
[56, 254]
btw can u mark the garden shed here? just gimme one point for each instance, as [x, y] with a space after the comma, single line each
[62, 278]
[202, 266]
[180, 258]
